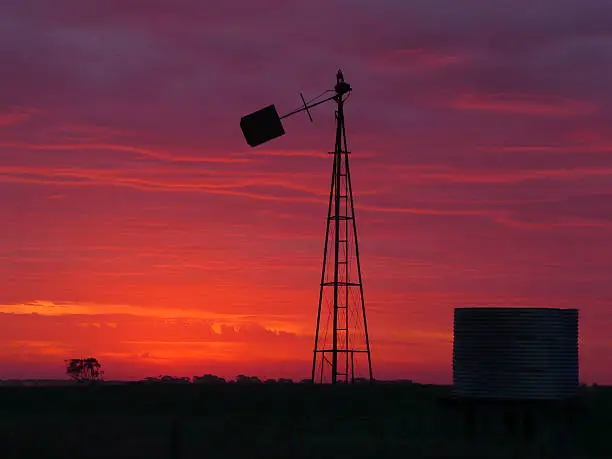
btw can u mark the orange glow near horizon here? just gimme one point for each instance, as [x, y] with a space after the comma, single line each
[139, 228]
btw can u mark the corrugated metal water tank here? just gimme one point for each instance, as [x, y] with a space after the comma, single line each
[515, 353]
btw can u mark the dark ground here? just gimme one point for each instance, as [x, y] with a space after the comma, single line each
[273, 421]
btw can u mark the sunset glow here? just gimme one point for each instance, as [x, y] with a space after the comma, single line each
[139, 228]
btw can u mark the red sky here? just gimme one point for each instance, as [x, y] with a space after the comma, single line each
[138, 226]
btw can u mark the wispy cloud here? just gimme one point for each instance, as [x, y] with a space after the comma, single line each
[49, 308]
[415, 60]
[139, 151]
[535, 104]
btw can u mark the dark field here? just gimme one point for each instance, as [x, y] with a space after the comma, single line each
[273, 421]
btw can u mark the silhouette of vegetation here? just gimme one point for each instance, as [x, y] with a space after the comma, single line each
[83, 370]
[168, 379]
[242, 379]
[208, 379]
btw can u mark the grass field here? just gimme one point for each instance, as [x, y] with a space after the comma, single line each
[272, 421]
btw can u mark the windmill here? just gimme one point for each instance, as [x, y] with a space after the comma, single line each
[343, 357]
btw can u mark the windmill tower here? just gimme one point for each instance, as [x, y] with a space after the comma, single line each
[342, 346]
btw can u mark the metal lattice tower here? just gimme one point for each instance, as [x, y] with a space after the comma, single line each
[341, 338]
[342, 349]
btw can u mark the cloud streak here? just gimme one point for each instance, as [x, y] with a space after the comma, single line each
[524, 104]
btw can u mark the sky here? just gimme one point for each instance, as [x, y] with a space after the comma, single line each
[138, 226]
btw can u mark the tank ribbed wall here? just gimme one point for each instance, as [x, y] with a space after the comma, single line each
[515, 353]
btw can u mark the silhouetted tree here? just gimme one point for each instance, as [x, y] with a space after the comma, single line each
[208, 379]
[247, 379]
[278, 381]
[168, 379]
[84, 369]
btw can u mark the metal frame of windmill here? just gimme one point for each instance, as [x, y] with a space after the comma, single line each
[338, 358]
